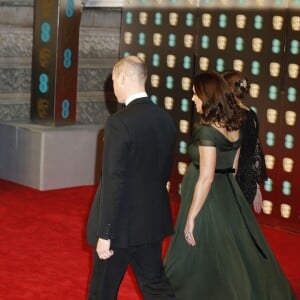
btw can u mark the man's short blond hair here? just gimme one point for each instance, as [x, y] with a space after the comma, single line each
[131, 66]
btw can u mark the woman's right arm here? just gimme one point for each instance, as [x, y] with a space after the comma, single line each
[207, 165]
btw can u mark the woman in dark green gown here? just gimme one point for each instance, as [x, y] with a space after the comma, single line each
[218, 251]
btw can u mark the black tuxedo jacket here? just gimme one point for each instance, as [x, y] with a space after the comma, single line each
[131, 206]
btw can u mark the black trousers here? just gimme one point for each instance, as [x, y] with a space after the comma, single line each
[146, 261]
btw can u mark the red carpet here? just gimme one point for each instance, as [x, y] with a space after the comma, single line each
[43, 254]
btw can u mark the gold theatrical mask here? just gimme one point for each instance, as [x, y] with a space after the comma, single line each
[142, 56]
[254, 90]
[169, 103]
[293, 70]
[206, 20]
[295, 23]
[277, 22]
[186, 83]
[173, 18]
[290, 118]
[272, 115]
[182, 166]
[43, 108]
[128, 36]
[171, 60]
[188, 40]
[224, 2]
[238, 65]
[203, 63]
[155, 79]
[157, 39]
[270, 161]
[285, 210]
[274, 69]
[257, 44]
[221, 42]
[240, 21]
[259, 2]
[267, 207]
[184, 126]
[44, 57]
[288, 164]
[143, 17]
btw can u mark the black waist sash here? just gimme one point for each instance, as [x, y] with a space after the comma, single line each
[219, 171]
[225, 171]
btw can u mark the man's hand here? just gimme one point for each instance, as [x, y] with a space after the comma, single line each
[103, 249]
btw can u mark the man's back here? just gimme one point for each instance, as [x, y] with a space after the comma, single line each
[152, 135]
[149, 134]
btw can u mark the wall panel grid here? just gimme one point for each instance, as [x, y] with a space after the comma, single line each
[265, 45]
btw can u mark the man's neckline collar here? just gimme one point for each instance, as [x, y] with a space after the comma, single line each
[135, 96]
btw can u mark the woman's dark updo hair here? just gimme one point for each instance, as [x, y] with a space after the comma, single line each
[218, 103]
[238, 83]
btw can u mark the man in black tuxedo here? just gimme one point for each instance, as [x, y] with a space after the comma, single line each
[131, 213]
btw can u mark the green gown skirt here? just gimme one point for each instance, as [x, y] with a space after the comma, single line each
[232, 259]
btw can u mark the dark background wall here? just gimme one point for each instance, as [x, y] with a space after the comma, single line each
[264, 45]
